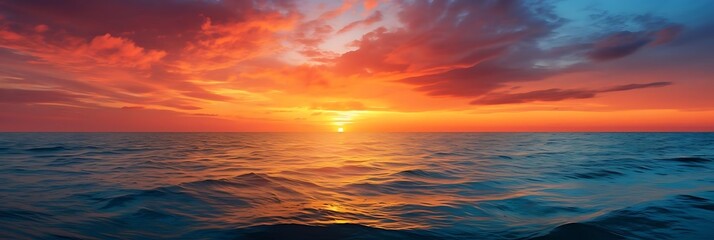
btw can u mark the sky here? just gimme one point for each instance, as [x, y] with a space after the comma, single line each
[359, 65]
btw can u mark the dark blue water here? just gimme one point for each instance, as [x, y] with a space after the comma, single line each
[357, 186]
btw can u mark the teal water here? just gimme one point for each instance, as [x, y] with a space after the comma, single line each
[356, 186]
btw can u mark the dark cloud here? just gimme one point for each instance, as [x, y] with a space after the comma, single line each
[149, 23]
[636, 86]
[667, 34]
[473, 48]
[625, 43]
[618, 45]
[444, 34]
[19, 96]
[480, 45]
[148, 53]
[473, 81]
[556, 94]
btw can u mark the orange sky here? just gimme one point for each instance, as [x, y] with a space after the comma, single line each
[363, 65]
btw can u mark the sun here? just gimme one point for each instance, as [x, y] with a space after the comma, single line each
[340, 130]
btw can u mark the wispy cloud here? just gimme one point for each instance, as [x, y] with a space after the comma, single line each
[237, 59]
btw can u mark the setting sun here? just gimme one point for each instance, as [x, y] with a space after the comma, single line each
[340, 130]
[315, 65]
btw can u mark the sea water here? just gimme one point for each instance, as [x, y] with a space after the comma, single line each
[356, 185]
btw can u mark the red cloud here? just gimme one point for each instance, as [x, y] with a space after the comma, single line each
[225, 45]
[443, 34]
[370, 4]
[189, 55]
[375, 17]
[116, 51]
[473, 48]
[72, 52]
[96, 55]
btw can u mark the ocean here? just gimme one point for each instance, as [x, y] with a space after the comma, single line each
[357, 186]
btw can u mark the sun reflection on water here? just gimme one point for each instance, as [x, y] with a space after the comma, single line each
[391, 181]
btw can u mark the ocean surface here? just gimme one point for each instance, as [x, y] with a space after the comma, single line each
[356, 186]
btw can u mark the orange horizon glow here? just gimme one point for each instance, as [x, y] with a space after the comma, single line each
[353, 66]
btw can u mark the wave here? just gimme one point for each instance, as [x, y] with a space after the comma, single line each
[240, 191]
[598, 174]
[418, 173]
[582, 231]
[19, 214]
[390, 186]
[679, 217]
[47, 149]
[67, 161]
[689, 160]
[424, 188]
[310, 232]
[528, 206]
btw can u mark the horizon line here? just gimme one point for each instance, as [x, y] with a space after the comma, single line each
[703, 131]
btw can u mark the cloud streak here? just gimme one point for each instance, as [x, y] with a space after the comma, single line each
[238, 60]
[621, 44]
[22, 96]
[556, 94]
[374, 18]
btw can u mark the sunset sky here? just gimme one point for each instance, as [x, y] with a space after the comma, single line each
[363, 65]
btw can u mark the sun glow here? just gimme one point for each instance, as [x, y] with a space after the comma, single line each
[321, 65]
[343, 119]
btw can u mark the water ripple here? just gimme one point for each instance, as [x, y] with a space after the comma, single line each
[357, 186]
